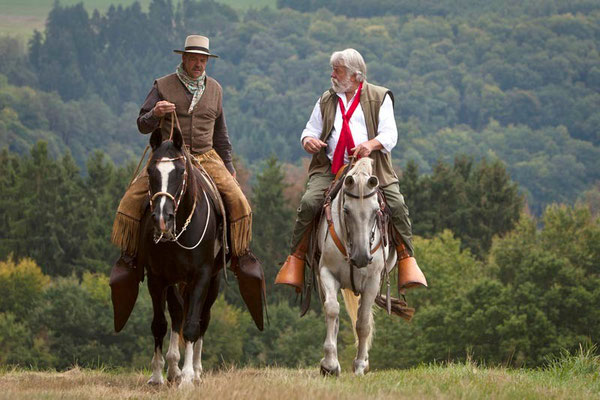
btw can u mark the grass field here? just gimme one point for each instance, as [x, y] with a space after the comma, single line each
[426, 382]
[20, 17]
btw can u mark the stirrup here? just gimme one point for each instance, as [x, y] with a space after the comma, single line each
[292, 273]
[409, 274]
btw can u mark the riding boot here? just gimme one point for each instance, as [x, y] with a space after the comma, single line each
[292, 271]
[124, 287]
[409, 273]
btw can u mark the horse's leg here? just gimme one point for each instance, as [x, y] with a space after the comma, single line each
[175, 304]
[364, 327]
[159, 328]
[213, 292]
[330, 364]
[191, 329]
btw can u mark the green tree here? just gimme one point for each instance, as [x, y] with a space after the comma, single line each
[22, 285]
[272, 223]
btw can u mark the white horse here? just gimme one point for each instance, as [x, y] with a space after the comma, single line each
[355, 263]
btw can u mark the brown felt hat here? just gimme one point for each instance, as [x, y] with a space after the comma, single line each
[196, 44]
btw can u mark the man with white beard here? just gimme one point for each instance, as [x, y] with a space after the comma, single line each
[356, 118]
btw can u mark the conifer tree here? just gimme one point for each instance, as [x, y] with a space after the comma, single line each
[272, 224]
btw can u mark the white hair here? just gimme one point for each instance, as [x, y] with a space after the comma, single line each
[352, 61]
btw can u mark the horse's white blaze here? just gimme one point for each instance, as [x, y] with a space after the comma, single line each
[158, 364]
[173, 371]
[164, 167]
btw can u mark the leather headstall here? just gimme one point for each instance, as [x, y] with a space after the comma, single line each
[176, 199]
[380, 223]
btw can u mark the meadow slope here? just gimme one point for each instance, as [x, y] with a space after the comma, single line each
[444, 382]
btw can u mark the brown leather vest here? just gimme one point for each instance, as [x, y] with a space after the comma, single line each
[371, 99]
[198, 126]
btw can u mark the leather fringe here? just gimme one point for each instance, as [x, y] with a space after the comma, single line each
[241, 235]
[125, 233]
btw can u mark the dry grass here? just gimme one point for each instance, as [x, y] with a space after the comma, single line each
[441, 382]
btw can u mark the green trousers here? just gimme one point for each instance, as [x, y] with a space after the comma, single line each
[312, 202]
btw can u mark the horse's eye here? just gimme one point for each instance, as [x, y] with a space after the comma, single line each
[346, 211]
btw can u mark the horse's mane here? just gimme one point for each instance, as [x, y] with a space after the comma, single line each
[362, 166]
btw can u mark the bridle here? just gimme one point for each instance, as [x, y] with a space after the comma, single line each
[343, 246]
[181, 190]
[178, 197]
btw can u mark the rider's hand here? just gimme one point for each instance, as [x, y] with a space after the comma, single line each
[365, 148]
[163, 107]
[312, 145]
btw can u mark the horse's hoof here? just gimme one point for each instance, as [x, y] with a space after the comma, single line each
[174, 377]
[360, 367]
[187, 379]
[154, 381]
[331, 372]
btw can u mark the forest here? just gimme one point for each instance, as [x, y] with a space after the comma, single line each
[498, 108]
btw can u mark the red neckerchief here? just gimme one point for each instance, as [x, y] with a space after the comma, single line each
[345, 142]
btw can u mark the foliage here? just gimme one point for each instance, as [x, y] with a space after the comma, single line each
[21, 285]
[518, 83]
[273, 218]
[357, 8]
[54, 215]
[475, 201]
[287, 340]
[534, 296]
[515, 88]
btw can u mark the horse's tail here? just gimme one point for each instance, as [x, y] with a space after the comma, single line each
[351, 302]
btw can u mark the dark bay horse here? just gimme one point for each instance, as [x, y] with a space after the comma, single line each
[178, 244]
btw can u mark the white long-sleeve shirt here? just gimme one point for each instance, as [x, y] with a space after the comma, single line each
[387, 133]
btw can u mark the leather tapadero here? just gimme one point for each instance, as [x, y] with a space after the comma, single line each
[251, 281]
[124, 288]
[409, 274]
[292, 273]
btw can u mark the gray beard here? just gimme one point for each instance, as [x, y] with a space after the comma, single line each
[340, 87]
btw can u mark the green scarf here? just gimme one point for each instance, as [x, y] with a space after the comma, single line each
[195, 86]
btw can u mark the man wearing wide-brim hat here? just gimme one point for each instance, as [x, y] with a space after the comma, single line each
[197, 99]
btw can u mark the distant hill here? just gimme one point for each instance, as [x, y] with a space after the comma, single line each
[519, 84]
[20, 17]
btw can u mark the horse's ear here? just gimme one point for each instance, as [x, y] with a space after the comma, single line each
[156, 139]
[349, 181]
[373, 182]
[177, 138]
